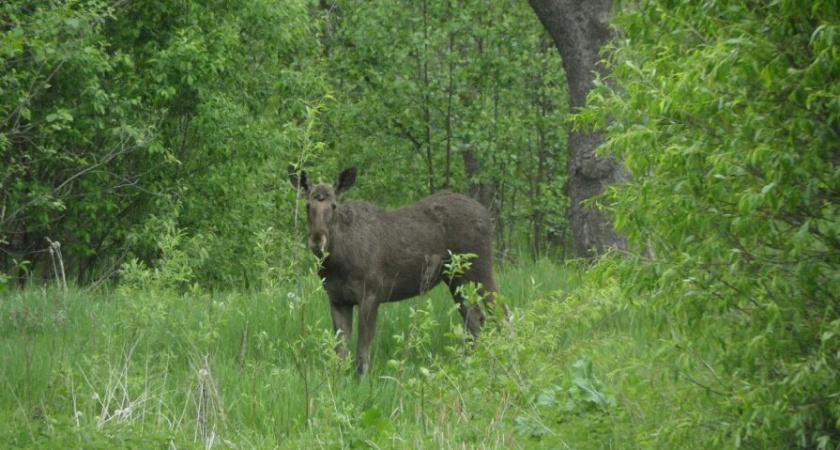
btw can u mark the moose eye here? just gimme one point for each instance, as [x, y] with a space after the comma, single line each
[308, 206]
[334, 206]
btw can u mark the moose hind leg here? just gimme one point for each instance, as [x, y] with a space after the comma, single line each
[472, 314]
[481, 276]
[488, 293]
[481, 273]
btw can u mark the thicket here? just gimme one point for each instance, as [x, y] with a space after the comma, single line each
[122, 122]
[126, 121]
[467, 96]
[727, 113]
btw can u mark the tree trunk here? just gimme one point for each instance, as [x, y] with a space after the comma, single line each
[479, 190]
[427, 117]
[579, 29]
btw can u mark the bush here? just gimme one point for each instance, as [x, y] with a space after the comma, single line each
[727, 114]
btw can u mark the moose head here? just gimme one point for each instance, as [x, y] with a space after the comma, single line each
[321, 202]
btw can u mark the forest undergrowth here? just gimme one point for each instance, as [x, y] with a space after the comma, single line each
[156, 364]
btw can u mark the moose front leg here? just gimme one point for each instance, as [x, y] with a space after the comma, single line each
[342, 316]
[367, 328]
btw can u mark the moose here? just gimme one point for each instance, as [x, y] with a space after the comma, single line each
[371, 256]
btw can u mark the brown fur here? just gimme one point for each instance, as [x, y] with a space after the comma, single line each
[376, 256]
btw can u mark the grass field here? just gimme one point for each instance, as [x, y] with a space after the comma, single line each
[146, 367]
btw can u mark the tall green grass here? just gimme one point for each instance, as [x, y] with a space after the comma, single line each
[144, 366]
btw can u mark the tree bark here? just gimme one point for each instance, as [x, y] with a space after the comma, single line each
[479, 190]
[579, 29]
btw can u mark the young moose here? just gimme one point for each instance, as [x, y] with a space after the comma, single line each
[376, 256]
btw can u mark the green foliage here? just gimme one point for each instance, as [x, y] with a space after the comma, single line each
[117, 115]
[69, 135]
[433, 95]
[457, 264]
[152, 363]
[586, 389]
[116, 118]
[727, 114]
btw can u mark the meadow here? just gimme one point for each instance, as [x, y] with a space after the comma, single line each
[146, 365]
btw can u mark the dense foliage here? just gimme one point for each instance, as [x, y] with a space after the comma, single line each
[468, 96]
[727, 113]
[125, 122]
[128, 123]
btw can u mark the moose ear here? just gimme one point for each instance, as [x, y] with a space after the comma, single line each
[299, 182]
[345, 180]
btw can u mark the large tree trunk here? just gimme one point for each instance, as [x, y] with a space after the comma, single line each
[579, 29]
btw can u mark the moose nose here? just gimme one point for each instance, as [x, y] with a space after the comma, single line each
[317, 243]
